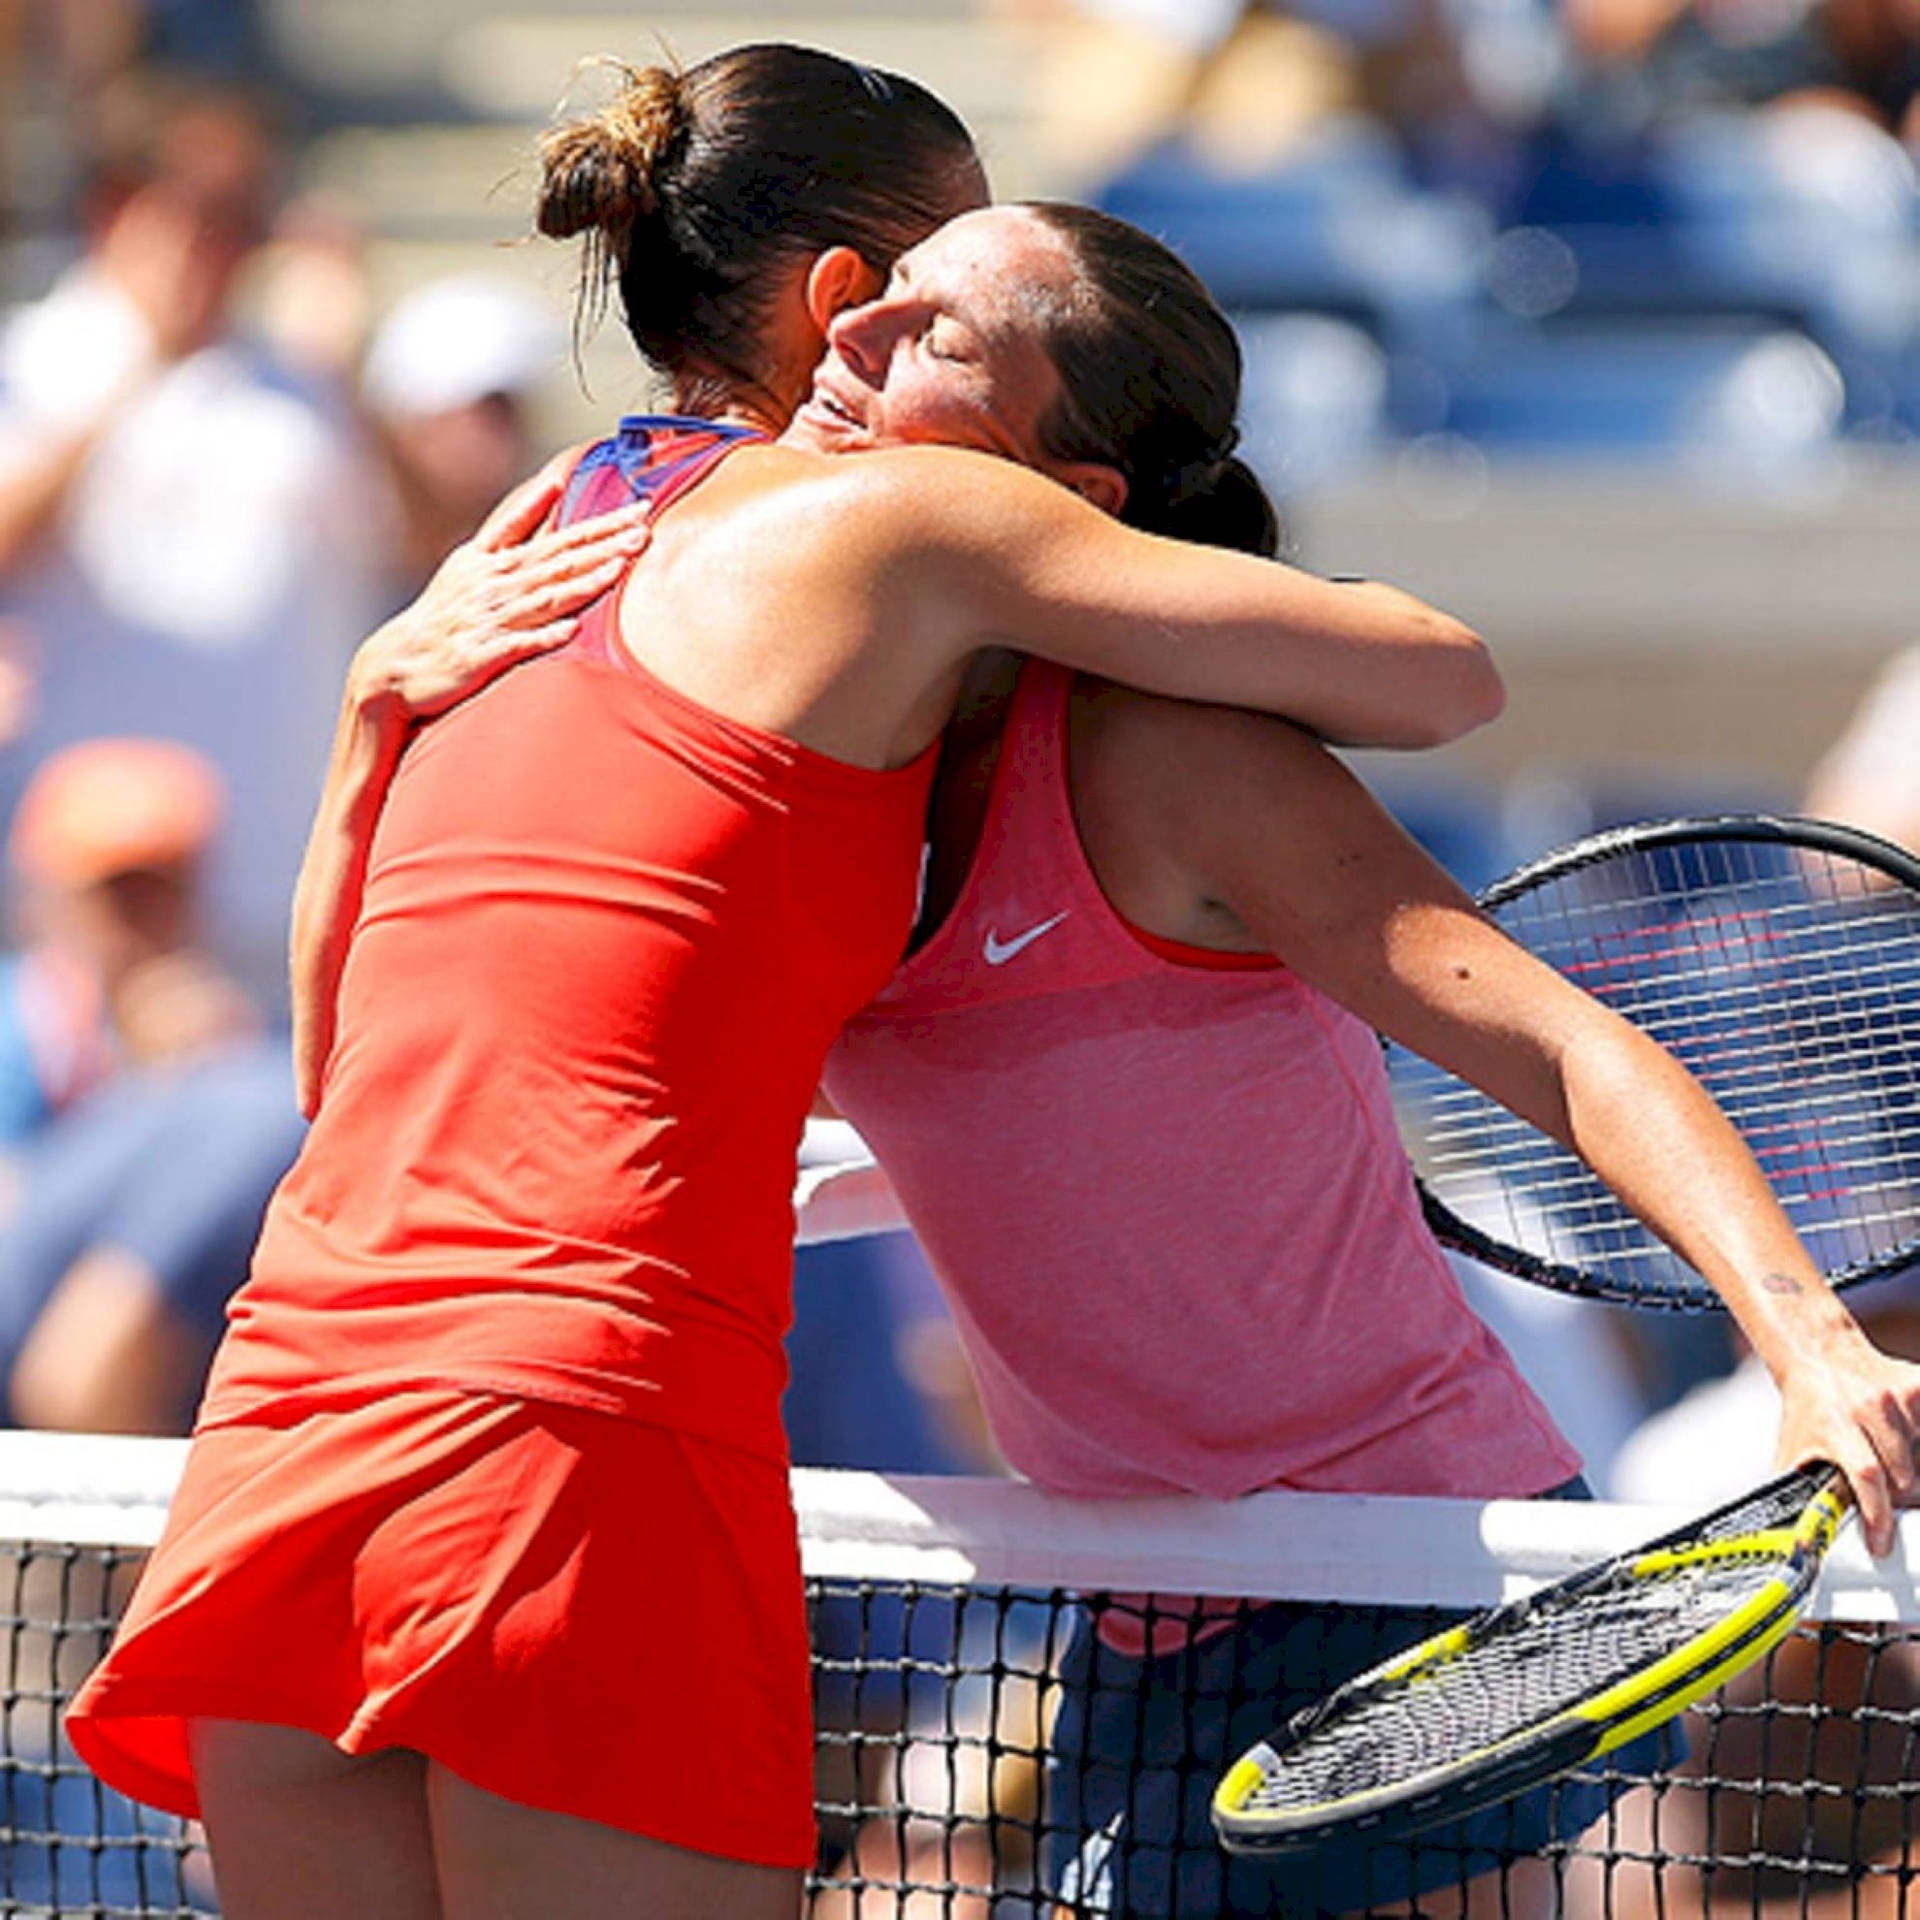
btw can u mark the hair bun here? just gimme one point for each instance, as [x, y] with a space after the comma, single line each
[600, 174]
[1227, 507]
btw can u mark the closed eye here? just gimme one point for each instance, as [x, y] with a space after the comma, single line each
[943, 341]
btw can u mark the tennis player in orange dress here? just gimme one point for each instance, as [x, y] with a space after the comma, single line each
[480, 1594]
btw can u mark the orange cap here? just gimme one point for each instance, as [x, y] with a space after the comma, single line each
[109, 806]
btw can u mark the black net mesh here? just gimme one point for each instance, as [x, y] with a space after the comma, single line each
[1792, 1791]
[984, 1751]
[69, 1845]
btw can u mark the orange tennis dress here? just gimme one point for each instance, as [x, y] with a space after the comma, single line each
[490, 1463]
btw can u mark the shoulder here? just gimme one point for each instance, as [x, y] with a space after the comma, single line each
[1242, 803]
[1191, 748]
[1176, 796]
[943, 496]
[886, 506]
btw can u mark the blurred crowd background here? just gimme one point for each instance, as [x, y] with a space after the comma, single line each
[1595, 321]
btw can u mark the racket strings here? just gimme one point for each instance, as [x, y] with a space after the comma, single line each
[1546, 1662]
[1787, 981]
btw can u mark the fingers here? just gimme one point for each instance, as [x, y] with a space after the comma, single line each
[1868, 1480]
[532, 640]
[628, 529]
[521, 595]
[505, 643]
[1889, 1477]
[557, 573]
[1859, 1407]
[490, 606]
[575, 571]
[520, 513]
[1877, 1459]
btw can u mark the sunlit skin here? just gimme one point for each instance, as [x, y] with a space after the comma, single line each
[948, 361]
[948, 353]
[1257, 829]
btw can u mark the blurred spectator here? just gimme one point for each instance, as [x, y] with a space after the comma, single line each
[1245, 84]
[1680, 56]
[104, 854]
[1115, 77]
[1870, 777]
[57, 58]
[186, 530]
[308, 291]
[146, 1115]
[445, 390]
[62, 63]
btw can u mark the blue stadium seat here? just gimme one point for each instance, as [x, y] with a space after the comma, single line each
[1337, 231]
[1746, 389]
[1804, 217]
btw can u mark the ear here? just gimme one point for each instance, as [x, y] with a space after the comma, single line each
[1093, 480]
[838, 279]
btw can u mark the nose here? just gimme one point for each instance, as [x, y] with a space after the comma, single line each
[862, 337]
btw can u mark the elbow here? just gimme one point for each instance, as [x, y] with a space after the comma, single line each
[1444, 683]
[1484, 697]
[1470, 694]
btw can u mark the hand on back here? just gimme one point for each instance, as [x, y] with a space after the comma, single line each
[509, 593]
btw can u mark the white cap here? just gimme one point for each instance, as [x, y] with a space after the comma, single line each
[457, 340]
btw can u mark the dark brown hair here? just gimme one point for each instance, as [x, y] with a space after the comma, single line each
[1150, 383]
[694, 188]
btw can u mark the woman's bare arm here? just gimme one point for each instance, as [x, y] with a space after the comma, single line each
[504, 596]
[1360, 663]
[1281, 839]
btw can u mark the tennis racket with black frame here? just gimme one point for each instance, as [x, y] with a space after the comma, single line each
[1541, 1685]
[1779, 960]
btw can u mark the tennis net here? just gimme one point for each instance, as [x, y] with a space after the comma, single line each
[951, 1630]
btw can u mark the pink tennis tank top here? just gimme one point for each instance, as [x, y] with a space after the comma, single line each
[1165, 1194]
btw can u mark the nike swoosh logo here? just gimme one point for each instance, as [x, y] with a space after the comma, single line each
[999, 951]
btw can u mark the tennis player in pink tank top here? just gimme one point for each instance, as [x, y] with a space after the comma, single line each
[1132, 900]
[1128, 1090]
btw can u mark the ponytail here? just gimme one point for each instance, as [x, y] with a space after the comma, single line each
[1225, 507]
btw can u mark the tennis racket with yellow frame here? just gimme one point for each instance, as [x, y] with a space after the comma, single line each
[1538, 1686]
